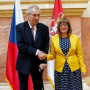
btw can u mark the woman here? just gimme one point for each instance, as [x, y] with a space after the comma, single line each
[65, 48]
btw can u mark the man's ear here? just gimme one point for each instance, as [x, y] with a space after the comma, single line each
[27, 15]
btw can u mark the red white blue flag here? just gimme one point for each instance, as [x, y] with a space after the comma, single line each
[11, 73]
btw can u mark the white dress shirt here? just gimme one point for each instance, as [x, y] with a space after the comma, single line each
[35, 29]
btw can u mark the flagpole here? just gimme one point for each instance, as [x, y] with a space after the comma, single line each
[57, 15]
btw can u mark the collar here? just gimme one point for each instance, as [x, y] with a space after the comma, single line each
[31, 26]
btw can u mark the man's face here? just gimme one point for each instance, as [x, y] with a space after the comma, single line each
[34, 17]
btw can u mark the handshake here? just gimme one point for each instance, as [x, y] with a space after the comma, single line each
[41, 55]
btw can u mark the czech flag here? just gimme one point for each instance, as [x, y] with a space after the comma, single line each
[57, 15]
[11, 73]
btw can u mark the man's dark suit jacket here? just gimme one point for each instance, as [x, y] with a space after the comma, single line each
[27, 46]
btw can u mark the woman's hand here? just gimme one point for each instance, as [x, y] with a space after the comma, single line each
[41, 55]
[83, 75]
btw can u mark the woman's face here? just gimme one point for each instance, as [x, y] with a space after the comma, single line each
[63, 28]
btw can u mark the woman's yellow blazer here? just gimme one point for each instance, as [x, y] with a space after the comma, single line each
[74, 56]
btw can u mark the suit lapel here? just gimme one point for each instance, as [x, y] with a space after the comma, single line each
[37, 32]
[71, 42]
[29, 32]
[58, 44]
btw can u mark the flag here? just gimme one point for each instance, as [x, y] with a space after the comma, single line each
[11, 73]
[57, 15]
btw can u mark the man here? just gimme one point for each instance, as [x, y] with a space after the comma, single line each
[32, 40]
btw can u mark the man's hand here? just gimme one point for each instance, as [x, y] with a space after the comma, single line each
[41, 55]
[42, 66]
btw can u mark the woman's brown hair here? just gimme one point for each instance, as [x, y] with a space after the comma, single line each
[64, 20]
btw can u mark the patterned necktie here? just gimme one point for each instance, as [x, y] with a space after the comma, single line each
[32, 31]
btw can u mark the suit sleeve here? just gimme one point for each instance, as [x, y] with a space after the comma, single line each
[45, 36]
[46, 40]
[80, 56]
[22, 47]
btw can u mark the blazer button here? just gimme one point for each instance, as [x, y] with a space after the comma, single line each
[66, 58]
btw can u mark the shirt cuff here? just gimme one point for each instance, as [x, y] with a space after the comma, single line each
[37, 52]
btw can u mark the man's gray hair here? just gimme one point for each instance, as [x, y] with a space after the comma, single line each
[29, 9]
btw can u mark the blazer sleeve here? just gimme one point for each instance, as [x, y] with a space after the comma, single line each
[22, 47]
[51, 56]
[80, 56]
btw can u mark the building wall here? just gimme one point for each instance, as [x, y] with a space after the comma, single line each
[5, 24]
[80, 26]
[85, 34]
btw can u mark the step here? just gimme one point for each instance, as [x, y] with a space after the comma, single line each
[47, 86]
